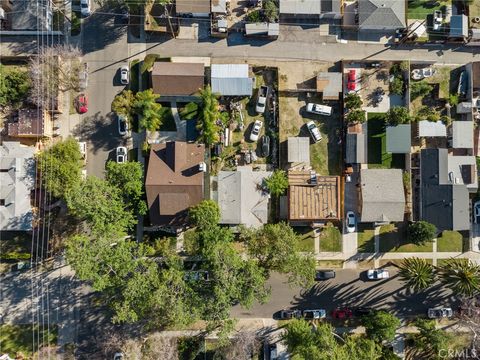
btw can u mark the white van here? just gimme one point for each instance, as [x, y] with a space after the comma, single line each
[319, 109]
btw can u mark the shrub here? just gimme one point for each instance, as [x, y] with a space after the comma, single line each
[396, 86]
[421, 232]
[14, 255]
[254, 16]
[355, 116]
[420, 88]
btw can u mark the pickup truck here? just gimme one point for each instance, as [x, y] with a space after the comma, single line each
[262, 99]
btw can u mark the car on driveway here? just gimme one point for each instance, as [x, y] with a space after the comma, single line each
[265, 146]
[262, 99]
[476, 212]
[351, 80]
[319, 109]
[321, 275]
[439, 313]
[290, 314]
[378, 274]
[122, 125]
[257, 126]
[314, 132]
[342, 313]
[314, 314]
[81, 103]
[351, 222]
[85, 8]
[121, 154]
[124, 75]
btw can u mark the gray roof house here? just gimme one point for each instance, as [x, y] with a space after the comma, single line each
[356, 144]
[17, 179]
[241, 198]
[374, 15]
[311, 8]
[431, 129]
[298, 150]
[399, 139]
[231, 80]
[444, 199]
[382, 195]
[462, 137]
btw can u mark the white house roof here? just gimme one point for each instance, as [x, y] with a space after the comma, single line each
[231, 79]
[300, 7]
[17, 174]
[462, 135]
[431, 129]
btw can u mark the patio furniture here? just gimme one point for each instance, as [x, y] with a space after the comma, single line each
[428, 72]
[417, 74]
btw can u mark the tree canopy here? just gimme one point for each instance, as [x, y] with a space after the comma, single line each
[431, 340]
[418, 273]
[146, 105]
[277, 183]
[205, 214]
[397, 115]
[14, 85]
[380, 325]
[356, 116]
[123, 102]
[353, 101]
[462, 276]
[60, 167]
[421, 232]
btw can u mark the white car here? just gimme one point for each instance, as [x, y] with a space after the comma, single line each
[257, 126]
[314, 314]
[351, 222]
[476, 212]
[122, 125]
[437, 19]
[121, 154]
[439, 313]
[124, 75]
[314, 132]
[319, 109]
[85, 9]
[378, 274]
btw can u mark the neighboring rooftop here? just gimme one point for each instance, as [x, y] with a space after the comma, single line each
[381, 14]
[262, 29]
[330, 85]
[356, 144]
[192, 7]
[458, 26]
[173, 79]
[462, 135]
[383, 197]
[29, 15]
[32, 123]
[313, 198]
[219, 6]
[399, 139]
[431, 129]
[17, 179]
[242, 198]
[298, 150]
[231, 79]
[300, 7]
[174, 181]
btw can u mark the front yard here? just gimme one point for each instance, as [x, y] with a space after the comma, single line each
[366, 239]
[450, 241]
[330, 239]
[393, 238]
[419, 9]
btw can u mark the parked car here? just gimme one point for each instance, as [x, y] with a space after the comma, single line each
[85, 8]
[378, 274]
[290, 314]
[439, 313]
[83, 77]
[319, 109]
[81, 103]
[263, 92]
[124, 75]
[343, 313]
[118, 356]
[314, 314]
[362, 311]
[476, 212]
[314, 132]
[373, 65]
[351, 80]
[272, 351]
[257, 126]
[122, 125]
[462, 84]
[324, 275]
[121, 154]
[265, 145]
[351, 222]
[437, 19]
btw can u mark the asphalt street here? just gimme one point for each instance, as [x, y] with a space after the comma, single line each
[349, 288]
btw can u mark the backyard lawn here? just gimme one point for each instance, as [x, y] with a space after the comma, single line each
[18, 338]
[393, 238]
[331, 239]
[419, 9]
[378, 158]
[450, 241]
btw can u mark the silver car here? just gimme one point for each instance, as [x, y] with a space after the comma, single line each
[121, 154]
[439, 313]
[124, 75]
[314, 132]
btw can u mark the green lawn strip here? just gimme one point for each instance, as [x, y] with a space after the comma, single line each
[419, 9]
[168, 121]
[331, 239]
[330, 264]
[394, 239]
[134, 70]
[366, 241]
[18, 338]
[450, 241]
[307, 244]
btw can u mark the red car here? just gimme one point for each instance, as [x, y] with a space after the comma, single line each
[344, 313]
[81, 104]
[352, 75]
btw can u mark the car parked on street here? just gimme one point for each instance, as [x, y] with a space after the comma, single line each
[378, 274]
[124, 75]
[85, 7]
[314, 314]
[319, 109]
[121, 154]
[81, 103]
[265, 146]
[314, 132]
[351, 222]
[321, 275]
[257, 126]
[342, 313]
[439, 313]
[122, 125]
[290, 314]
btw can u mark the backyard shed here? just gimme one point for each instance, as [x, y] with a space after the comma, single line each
[462, 135]
[431, 129]
[330, 85]
[231, 79]
[262, 29]
[458, 26]
[298, 150]
[399, 139]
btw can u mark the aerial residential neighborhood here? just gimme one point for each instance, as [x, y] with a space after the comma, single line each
[239, 179]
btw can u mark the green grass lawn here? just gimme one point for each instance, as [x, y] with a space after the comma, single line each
[307, 244]
[419, 9]
[366, 241]
[18, 338]
[394, 239]
[378, 158]
[450, 241]
[168, 122]
[331, 239]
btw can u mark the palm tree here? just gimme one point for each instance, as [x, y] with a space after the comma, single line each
[462, 276]
[146, 105]
[207, 113]
[417, 273]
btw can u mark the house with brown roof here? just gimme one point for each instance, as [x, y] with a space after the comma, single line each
[31, 123]
[312, 199]
[177, 79]
[197, 8]
[174, 181]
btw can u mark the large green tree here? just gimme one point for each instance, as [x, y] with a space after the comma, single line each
[431, 340]
[205, 214]
[353, 101]
[380, 325]
[276, 247]
[462, 276]
[14, 85]
[397, 115]
[128, 177]
[147, 107]
[123, 103]
[356, 116]
[277, 183]
[418, 273]
[421, 232]
[60, 167]
[207, 113]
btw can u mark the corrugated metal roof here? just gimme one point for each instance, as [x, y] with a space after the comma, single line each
[431, 129]
[462, 134]
[229, 70]
[231, 79]
[301, 7]
[399, 139]
[298, 150]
